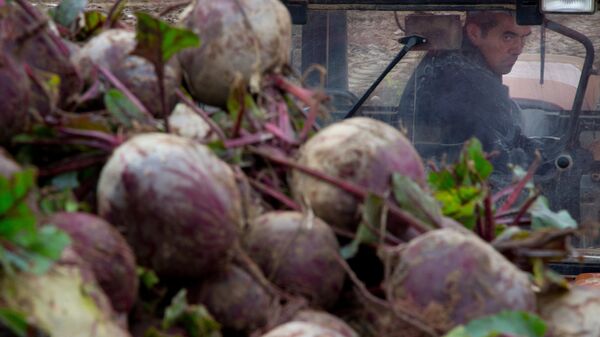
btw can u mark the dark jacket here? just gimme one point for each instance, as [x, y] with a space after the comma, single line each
[453, 96]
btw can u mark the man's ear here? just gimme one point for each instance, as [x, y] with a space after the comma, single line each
[474, 34]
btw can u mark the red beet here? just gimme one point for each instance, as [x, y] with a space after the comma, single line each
[297, 253]
[234, 44]
[176, 202]
[100, 245]
[8, 166]
[451, 277]
[360, 150]
[572, 313]
[302, 329]
[235, 299]
[14, 97]
[325, 320]
[112, 49]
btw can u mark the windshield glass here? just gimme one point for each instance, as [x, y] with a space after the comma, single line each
[513, 87]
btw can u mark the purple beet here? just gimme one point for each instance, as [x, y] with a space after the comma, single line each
[451, 277]
[176, 202]
[235, 299]
[325, 320]
[362, 151]
[100, 245]
[14, 97]
[112, 50]
[302, 329]
[297, 253]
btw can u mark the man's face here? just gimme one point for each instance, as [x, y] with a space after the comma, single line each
[502, 44]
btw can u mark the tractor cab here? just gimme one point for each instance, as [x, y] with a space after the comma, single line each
[369, 56]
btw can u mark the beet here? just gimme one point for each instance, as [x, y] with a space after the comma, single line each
[43, 50]
[572, 313]
[100, 245]
[325, 320]
[359, 150]
[111, 49]
[65, 301]
[230, 49]
[14, 98]
[302, 329]
[235, 299]
[176, 202]
[451, 277]
[297, 253]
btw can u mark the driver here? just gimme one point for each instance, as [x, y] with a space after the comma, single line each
[455, 95]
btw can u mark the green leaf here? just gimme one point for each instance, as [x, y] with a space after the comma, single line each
[51, 242]
[514, 323]
[14, 321]
[67, 11]
[122, 108]
[22, 182]
[195, 319]
[475, 154]
[413, 199]
[157, 41]
[372, 209]
[147, 277]
[543, 217]
[117, 12]
[442, 180]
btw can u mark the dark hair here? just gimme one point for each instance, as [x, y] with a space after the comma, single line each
[485, 20]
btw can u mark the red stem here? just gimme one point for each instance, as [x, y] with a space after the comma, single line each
[355, 190]
[248, 140]
[95, 135]
[512, 198]
[202, 114]
[524, 208]
[490, 226]
[73, 165]
[277, 132]
[284, 199]
[119, 85]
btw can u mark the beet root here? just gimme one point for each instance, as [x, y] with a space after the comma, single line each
[112, 50]
[450, 278]
[100, 245]
[65, 301]
[242, 42]
[297, 252]
[362, 151]
[573, 313]
[14, 98]
[176, 202]
[235, 299]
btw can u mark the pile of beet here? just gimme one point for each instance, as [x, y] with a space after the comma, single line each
[202, 197]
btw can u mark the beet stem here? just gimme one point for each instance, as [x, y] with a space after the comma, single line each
[109, 23]
[524, 208]
[279, 196]
[490, 226]
[512, 198]
[279, 133]
[357, 191]
[119, 85]
[400, 313]
[96, 135]
[202, 114]
[73, 164]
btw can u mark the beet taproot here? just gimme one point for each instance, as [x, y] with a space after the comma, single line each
[239, 303]
[362, 151]
[112, 49]
[100, 245]
[450, 277]
[176, 202]
[297, 252]
[239, 39]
